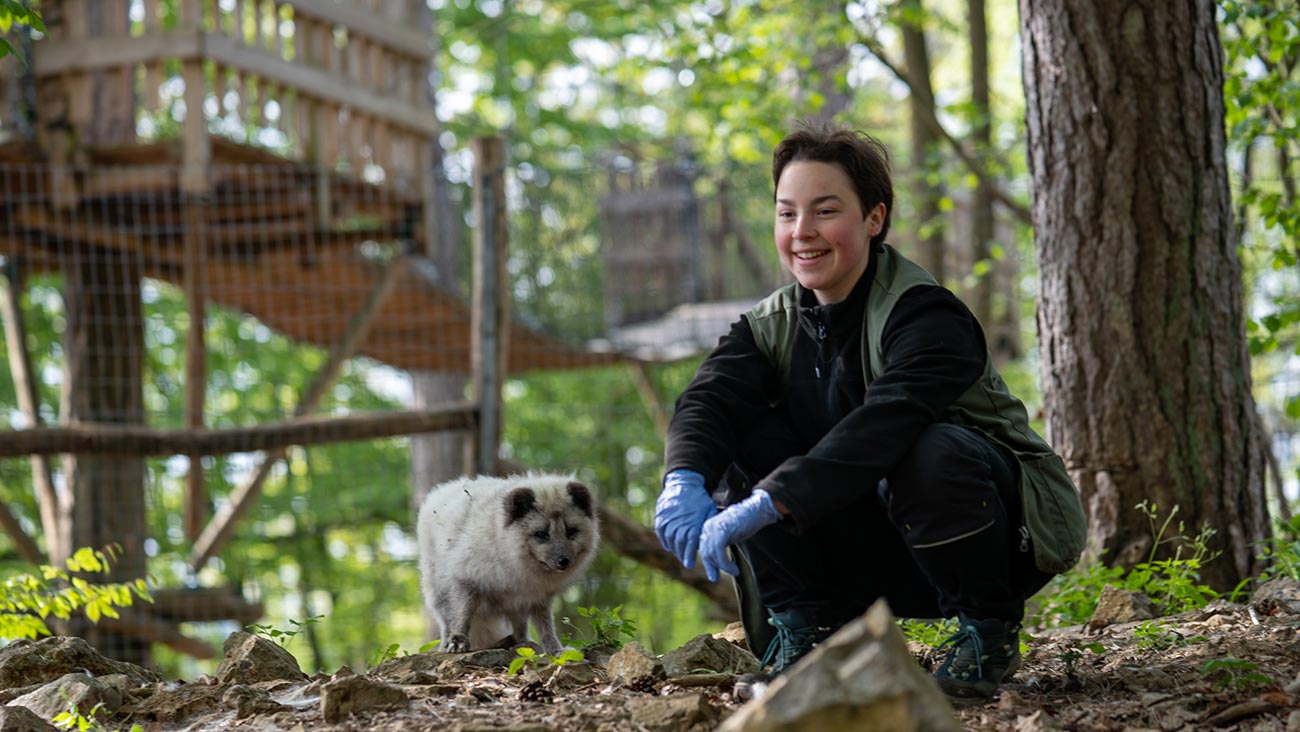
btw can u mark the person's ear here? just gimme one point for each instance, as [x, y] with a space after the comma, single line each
[876, 219]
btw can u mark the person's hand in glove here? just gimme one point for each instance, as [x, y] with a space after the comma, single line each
[682, 508]
[735, 524]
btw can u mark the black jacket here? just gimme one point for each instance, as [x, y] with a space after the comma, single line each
[846, 437]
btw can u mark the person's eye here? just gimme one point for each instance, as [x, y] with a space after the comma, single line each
[827, 212]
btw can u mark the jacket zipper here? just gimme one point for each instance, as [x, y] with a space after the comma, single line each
[821, 344]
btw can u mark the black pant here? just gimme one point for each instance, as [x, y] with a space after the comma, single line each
[941, 537]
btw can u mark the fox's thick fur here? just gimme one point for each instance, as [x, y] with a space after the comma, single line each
[494, 553]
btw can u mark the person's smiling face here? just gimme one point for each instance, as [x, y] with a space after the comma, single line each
[822, 235]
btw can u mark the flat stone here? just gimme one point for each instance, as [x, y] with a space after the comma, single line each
[248, 659]
[73, 691]
[22, 719]
[354, 694]
[1120, 606]
[670, 713]
[248, 701]
[632, 662]
[706, 654]
[1277, 596]
[861, 678]
[26, 662]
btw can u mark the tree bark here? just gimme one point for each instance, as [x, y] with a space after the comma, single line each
[1144, 362]
[981, 233]
[103, 382]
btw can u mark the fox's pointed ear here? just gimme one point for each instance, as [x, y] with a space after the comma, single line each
[581, 496]
[519, 502]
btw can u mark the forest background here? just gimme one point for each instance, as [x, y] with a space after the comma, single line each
[582, 90]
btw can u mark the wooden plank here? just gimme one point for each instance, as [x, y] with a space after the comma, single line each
[63, 56]
[403, 38]
[196, 247]
[320, 84]
[222, 526]
[490, 313]
[196, 156]
[91, 438]
[20, 367]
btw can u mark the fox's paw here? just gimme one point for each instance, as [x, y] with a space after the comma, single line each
[457, 643]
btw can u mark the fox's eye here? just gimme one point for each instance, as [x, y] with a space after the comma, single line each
[570, 532]
[541, 535]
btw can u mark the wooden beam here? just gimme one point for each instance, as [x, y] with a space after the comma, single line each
[86, 439]
[196, 380]
[408, 40]
[140, 624]
[320, 84]
[20, 366]
[222, 526]
[196, 46]
[490, 306]
[203, 605]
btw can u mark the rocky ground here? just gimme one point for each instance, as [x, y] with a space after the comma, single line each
[1226, 667]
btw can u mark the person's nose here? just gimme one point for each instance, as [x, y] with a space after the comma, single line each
[804, 228]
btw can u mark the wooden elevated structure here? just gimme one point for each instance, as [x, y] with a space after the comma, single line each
[274, 158]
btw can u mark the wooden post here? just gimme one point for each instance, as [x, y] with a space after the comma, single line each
[196, 224]
[490, 316]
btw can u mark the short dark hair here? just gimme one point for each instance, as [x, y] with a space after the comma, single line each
[862, 157]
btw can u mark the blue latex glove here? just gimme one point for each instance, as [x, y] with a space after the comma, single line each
[737, 523]
[680, 512]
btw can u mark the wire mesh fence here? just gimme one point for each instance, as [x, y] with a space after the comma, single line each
[315, 301]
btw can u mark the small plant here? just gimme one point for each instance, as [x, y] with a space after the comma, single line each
[527, 657]
[1239, 675]
[1071, 655]
[1154, 635]
[1173, 584]
[75, 720]
[928, 632]
[607, 627]
[284, 636]
[27, 600]
[394, 650]
[1281, 553]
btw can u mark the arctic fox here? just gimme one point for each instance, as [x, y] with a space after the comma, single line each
[494, 553]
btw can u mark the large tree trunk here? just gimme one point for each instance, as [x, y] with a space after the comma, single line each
[103, 348]
[1145, 370]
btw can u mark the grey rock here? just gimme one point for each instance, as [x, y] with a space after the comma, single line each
[355, 694]
[1277, 596]
[74, 691]
[22, 719]
[633, 661]
[1120, 606]
[248, 701]
[670, 713]
[704, 653]
[26, 662]
[861, 678]
[248, 659]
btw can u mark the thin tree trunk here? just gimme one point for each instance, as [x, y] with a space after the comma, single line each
[1145, 370]
[981, 233]
[928, 223]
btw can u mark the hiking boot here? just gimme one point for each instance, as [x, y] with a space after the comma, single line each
[984, 654]
[796, 634]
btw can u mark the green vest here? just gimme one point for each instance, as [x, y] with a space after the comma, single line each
[1053, 513]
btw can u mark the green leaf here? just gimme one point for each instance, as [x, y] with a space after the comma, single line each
[516, 665]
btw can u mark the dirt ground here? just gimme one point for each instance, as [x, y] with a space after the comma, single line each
[1226, 667]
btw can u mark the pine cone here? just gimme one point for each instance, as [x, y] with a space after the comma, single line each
[534, 691]
[646, 684]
